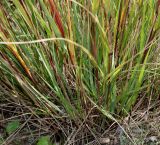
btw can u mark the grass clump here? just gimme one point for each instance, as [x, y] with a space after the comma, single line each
[73, 59]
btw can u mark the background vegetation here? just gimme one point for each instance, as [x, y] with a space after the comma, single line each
[79, 62]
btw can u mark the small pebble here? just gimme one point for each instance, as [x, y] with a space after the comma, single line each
[104, 140]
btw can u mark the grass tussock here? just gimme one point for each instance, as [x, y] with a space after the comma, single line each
[80, 62]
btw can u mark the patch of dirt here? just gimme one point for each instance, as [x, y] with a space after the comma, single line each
[142, 127]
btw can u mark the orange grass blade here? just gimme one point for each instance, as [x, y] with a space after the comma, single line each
[56, 16]
[16, 54]
[21, 61]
